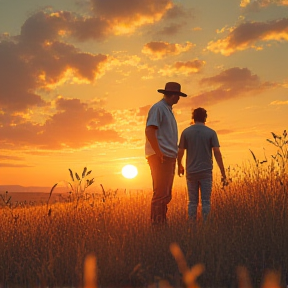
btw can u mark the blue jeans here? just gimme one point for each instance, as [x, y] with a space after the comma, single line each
[196, 181]
[162, 177]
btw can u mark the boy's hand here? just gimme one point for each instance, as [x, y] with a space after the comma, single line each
[180, 170]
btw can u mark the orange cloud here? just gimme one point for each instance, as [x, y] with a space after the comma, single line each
[143, 111]
[279, 102]
[31, 66]
[197, 29]
[110, 17]
[186, 68]
[257, 4]
[224, 131]
[10, 165]
[123, 16]
[74, 125]
[159, 50]
[39, 59]
[232, 83]
[9, 157]
[246, 36]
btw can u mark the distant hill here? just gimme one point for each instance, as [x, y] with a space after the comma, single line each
[19, 188]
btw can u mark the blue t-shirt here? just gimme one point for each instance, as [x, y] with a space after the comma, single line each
[198, 141]
[161, 115]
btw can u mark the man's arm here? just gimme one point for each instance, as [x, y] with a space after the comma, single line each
[219, 160]
[179, 161]
[150, 132]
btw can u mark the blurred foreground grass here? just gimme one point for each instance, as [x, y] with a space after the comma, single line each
[246, 234]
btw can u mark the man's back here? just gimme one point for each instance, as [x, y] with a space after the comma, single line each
[198, 139]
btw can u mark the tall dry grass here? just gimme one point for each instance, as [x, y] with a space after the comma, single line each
[44, 246]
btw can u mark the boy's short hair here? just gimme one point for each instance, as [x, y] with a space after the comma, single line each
[199, 115]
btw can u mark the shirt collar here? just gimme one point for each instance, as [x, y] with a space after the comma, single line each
[166, 104]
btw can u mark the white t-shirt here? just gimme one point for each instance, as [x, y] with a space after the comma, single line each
[161, 115]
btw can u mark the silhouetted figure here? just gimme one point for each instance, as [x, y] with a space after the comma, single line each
[199, 141]
[161, 149]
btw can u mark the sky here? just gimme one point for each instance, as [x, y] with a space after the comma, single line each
[77, 78]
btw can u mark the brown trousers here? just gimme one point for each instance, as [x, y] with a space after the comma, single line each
[162, 178]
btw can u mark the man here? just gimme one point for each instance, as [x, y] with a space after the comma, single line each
[161, 149]
[199, 141]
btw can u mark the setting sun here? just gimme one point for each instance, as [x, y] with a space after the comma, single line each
[129, 171]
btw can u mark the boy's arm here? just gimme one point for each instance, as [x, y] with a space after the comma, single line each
[179, 161]
[219, 160]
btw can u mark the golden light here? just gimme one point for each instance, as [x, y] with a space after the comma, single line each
[129, 171]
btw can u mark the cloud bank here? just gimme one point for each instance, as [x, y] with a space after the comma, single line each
[158, 50]
[256, 5]
[74, 125]
[184, 68]
[40, 59]
[229, 84]
[250, 35]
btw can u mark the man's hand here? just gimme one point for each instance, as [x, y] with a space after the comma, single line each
[150, 132]
[161, 156]
[180, 170]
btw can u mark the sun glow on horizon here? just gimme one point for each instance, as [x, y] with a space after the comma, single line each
[129, 171]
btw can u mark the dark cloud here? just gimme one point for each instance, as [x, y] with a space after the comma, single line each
[36, 61]
[46, 26]
[248, 34]
[17, 83]
[89, 28]
[130, 10]
[177, 11]
[109, 17]
[232, 83]
[172, 22]
[42, 27]
[234, 78]
[39, 58]
[170, 30]
[256, 5]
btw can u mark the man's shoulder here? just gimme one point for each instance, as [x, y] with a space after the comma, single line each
[189, 128]
[199, 127]
[158, 105]
[161, 107]
[209, 129]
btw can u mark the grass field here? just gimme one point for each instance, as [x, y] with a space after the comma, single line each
[45, 245]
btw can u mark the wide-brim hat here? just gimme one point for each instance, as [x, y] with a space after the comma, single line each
[172, 88]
